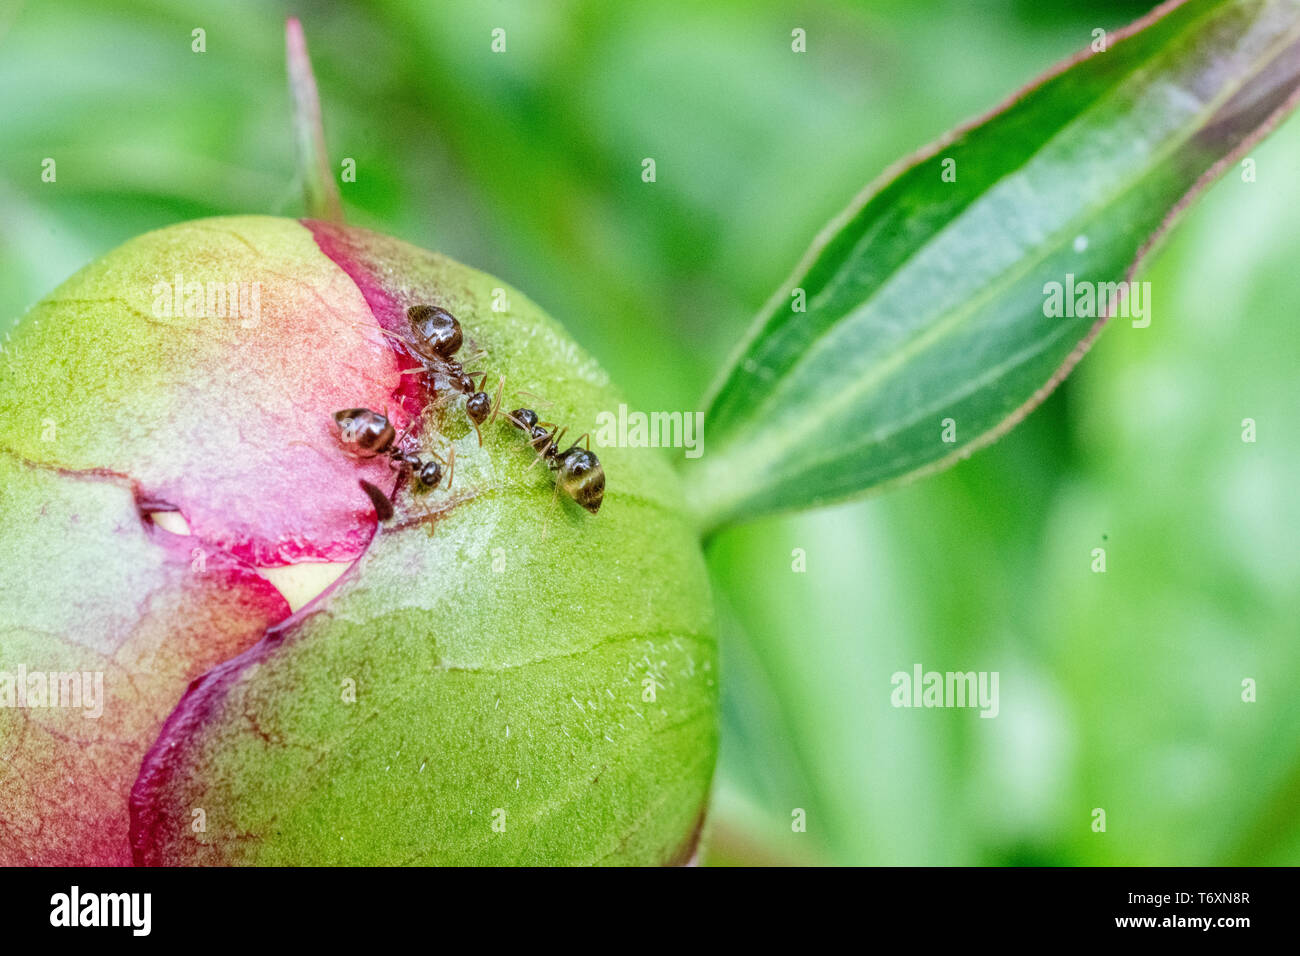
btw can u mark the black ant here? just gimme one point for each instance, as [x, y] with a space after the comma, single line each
[579, 473]
[365, 433]
[436, 337]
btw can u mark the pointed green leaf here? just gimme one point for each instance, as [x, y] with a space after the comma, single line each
[920, 326]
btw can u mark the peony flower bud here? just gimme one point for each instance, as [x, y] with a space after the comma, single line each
[494, 675]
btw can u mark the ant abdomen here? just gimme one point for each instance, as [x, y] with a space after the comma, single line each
[582, 477]
[363, 432]
[435, 329]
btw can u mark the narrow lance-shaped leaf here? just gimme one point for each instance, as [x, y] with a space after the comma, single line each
[319, 188]
[953, 295]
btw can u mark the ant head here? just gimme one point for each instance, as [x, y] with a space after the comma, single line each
[436, 329]
[524, 418]
[582, 477]
[478, 406]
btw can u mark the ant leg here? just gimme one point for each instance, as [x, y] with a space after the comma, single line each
[546, 525]
[407, 346]
[381, 330]
[555, 495]
[430, 517]
[541, 451]
[534, 395]
[421, 370]
[496, 404]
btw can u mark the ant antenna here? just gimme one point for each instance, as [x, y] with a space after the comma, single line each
[496, 403]
[397, 442]
[430, 519]
[449, 461]
[546, 525]
[534, 395]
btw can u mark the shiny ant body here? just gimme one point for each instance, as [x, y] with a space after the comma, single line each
[436, 337]
[579, 473]
[365, 433]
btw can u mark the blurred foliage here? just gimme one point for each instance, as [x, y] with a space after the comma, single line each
[1119, 690]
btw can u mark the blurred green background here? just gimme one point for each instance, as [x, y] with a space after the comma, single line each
[1119, 690]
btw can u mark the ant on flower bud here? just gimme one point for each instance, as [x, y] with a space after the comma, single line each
[579, 473]
[365, 433]
[435, 338]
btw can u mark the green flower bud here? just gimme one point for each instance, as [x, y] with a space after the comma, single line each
[497, 675]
